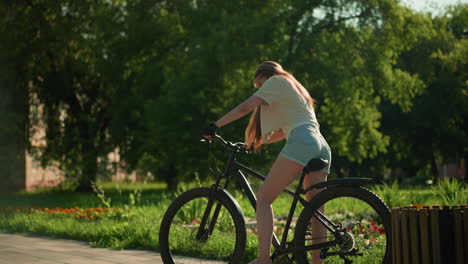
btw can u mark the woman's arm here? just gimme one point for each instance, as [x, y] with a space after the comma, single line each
[275, 136]
[241, 110]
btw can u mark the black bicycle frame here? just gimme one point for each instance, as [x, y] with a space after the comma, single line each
[235, 168]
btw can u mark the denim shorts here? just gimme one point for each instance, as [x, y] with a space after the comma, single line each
[305, 143]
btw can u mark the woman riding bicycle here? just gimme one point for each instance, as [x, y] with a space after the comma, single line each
[282, 109]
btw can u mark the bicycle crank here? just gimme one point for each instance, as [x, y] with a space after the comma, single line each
[282, 257]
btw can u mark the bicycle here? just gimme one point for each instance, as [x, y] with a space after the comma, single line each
[208, 222]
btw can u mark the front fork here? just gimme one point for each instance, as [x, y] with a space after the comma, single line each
[204, 233]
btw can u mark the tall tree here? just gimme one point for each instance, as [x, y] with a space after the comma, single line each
[63, 58]
[434, 131]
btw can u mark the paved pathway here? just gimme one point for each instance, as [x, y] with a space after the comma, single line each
[22, 249]
[25, 249]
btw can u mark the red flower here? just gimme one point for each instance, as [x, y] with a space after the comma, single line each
[373, 240]
[373, 223]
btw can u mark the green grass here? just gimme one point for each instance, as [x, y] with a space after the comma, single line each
[141, 207]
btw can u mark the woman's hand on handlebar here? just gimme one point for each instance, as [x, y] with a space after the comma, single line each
[209, 135]
[209, 132]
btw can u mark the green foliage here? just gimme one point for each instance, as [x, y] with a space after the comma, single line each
[143, 77]
[392, 195]
[137, 232]
[451, 192]
[106, 201]
[134, 197]
[439, 112]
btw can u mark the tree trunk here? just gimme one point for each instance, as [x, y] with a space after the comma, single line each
[170, 176]
[88, 174]
[89, 171]
[13, 134]
[435, 172]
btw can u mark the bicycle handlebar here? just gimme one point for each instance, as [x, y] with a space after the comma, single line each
[237, 146]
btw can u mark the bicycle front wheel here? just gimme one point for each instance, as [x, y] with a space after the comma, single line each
[361, 224]
[221, 239]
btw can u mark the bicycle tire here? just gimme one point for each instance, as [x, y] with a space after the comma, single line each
[343, 194]
[198, 194]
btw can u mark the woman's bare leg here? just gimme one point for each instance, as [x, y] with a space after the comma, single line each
[282, 173]
[318, 230]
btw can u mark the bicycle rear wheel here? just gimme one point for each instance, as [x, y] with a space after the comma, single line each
[364, 220]
[184, 241]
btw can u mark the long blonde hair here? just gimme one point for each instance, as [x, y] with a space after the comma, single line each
[267, 69]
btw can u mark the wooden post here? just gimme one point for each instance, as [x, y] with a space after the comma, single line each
[465, 230]
[396, 236]
[447, 249]
[435, 235]
[458, 235]
[405, 238]
[414, 235]
[424, 236]
[430, 235]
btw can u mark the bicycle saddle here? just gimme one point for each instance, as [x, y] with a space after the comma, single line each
[315, 165]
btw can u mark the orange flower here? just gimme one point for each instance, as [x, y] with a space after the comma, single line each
[418, 206]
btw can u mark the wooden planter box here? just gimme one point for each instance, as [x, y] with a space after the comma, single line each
[432, 235]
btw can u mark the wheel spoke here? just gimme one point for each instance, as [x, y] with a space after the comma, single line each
[183, 240]
[360, 234]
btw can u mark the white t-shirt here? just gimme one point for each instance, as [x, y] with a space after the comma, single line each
[286, 108]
